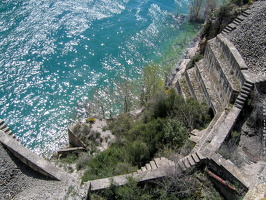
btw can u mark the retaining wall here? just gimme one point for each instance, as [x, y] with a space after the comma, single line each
[228, 171]
[221, 85]
[32, 160]
[190, 85]
[204, 89]
[236, 61]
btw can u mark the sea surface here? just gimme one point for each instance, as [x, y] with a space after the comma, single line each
[54, 55]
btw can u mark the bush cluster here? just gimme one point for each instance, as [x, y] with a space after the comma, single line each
[165, 124]
[188, 186]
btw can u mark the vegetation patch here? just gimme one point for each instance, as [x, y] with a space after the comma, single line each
[175, 186]
[165, 124]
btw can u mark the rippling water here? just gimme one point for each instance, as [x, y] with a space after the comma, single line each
[53, 53]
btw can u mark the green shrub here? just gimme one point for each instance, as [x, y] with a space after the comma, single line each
[175, 134]
[83, 161]
[193, 60]
[137, 153]
[104, 164]
[70, 159]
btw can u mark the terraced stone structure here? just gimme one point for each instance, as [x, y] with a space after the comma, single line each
[224, 80]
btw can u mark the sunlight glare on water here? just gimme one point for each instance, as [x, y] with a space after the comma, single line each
[54, 53]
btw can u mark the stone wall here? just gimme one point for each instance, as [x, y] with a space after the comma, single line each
[32, 160]
[191, 90]
[74, 141]
[221, 84]
[221, 171]
[204, 89]
[237, 63]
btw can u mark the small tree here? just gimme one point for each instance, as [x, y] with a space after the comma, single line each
[195, 9]
[152, 83]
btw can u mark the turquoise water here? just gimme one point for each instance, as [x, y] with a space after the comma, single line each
[54, 53]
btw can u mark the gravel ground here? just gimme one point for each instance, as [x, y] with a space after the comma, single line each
[250, 39]
[17, 181]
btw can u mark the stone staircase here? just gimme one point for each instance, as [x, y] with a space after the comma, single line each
[236, 22]
[242, 97]
[189, 161]
[156, 163]
[6, 130]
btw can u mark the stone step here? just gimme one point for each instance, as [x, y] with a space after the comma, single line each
[248, 12]
[238, 20]
[245, 14]
[148, 166]
[2, 126]
[241, 98]
[228, 28]
[240, 17]
[6, 129]
[235, 22]
[238, 106]
[9, 132]
[143, 169]
[241, 102]
[245, 92]
[191, 161]
[186, 163]
[1, 122]
[161, 162]
[232, 26]
[153, 165]
[226, 31]
[200, 156]
[248, 84]
[246, 88]
[195, 158]
[243, 95]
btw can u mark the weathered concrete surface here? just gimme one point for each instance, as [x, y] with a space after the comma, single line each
[74, 140]
[32, 159]
[257, 192]
[224, 128]
[157, 168]
[100, 184]
[64, 152]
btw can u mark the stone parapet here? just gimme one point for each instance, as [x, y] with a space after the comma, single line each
[32, 160]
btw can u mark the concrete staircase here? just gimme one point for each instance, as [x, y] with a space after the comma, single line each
[242, 97]
[236, 22]
[191, 160]
[183, 164]
[156, 163]
[6, 130]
